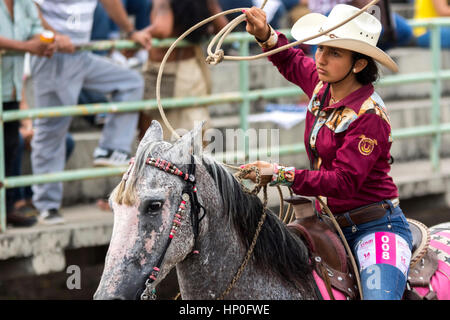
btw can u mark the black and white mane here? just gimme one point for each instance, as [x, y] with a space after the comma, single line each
[277, 249]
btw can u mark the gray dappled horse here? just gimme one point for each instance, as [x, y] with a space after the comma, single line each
[162, 220]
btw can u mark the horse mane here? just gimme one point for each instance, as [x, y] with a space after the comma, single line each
[277, 249]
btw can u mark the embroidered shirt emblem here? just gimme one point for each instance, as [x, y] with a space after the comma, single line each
[366, 145]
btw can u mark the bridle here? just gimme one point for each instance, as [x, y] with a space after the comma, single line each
[189, 194]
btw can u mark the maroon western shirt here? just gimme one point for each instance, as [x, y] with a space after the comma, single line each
[350, 140]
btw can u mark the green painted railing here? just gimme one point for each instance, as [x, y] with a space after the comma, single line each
[435, 129]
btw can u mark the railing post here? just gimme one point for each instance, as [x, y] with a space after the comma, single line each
[244, 87]
[2, 160]
[436, 96]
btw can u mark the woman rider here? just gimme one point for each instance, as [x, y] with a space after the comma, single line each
[348, 140]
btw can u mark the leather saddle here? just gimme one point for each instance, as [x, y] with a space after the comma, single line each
[332, 264]
[328, 254]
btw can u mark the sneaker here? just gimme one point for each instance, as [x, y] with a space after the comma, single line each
[106, 158]
[51, 216]
[118, 58]
[100, 119]
[142, 56]
[18, 219]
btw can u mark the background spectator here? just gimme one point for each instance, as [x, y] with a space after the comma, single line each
[58, 81]
[233, 4]
[104, 28]
[424, 9]
[185, 73]
[19, 36]
[274, 9]
[23, 195]
[296, 9]
[396, 30]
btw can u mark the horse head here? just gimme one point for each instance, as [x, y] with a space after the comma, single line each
[158, 223]
[152, 208]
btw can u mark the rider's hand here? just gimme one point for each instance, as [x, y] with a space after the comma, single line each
[265, 170]
[257, 24]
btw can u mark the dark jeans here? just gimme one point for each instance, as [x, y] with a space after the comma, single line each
[403, 34]
[11, 143]
[425, 39]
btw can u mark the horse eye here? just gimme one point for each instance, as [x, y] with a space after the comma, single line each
[154, 206]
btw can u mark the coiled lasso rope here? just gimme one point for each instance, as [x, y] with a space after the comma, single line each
[218, 56]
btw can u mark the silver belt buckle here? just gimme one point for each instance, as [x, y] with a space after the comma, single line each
[395, 202]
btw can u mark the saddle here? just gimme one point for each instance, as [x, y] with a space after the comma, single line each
[328, 255]
[332, 264]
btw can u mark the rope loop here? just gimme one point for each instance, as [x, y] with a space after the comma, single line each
[216, 57]
[246, 184]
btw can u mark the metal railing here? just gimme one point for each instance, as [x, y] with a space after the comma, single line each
[435, 129]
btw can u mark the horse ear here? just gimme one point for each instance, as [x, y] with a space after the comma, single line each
[153, 133]
[191, 142]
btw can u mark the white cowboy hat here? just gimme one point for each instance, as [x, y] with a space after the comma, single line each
[360, 34]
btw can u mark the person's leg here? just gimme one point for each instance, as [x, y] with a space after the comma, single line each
[89, 97]
[11, 143]
[425, 39]
[125, 85]
[70, 145]
[48, 154]
[19, 192]
[403, 31]
[445, 37]
[403, 35]
[383, 258]
[382, 282]
[57, 82]
[382, 250]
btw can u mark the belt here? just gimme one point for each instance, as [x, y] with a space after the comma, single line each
[178, 54]
[366, 214]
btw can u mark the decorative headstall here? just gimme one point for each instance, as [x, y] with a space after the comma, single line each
[189, 194]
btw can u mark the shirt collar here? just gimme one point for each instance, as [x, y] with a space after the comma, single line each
[354, 100]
